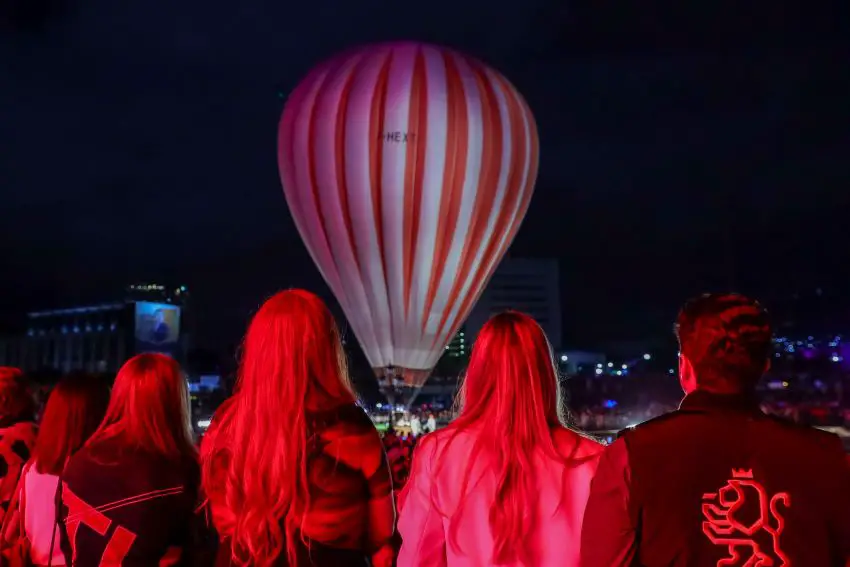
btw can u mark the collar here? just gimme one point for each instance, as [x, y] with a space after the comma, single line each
[700, 400]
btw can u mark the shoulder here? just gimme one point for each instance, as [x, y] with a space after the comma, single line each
[79, 466]
[576, 445]
[347, 419]
[355, 416]
[667, 420]
[811, 436]
[442, 439]
[440, 445]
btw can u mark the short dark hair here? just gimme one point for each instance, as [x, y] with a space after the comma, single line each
[727, 338]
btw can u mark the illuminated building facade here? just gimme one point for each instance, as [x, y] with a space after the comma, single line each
[522, 284]
[96, 338]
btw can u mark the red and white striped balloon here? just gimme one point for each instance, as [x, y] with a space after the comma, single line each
[408, 169]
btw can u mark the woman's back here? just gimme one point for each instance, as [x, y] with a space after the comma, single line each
[351, 506]
[435, 493]
[126, 506]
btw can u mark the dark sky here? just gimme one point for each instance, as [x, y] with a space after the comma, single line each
[680, 150]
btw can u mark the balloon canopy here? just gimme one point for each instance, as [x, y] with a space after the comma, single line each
[408, 169]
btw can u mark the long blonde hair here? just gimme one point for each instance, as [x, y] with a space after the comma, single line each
[511, 396]
[292, 363]
[149, 409]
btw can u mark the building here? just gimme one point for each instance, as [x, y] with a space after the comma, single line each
[523, 284]
[95, 338]
[158, 293]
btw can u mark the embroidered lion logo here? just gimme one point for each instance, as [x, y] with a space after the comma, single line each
[743, 518]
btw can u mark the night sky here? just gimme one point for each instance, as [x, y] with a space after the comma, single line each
[680, 151]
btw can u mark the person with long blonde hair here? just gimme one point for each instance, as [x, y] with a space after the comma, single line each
[129, 495]
[294, 470]
[506, 482]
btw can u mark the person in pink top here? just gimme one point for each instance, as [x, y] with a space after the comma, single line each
[506, 483]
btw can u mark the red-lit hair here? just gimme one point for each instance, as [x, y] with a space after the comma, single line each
[149, 409]
[74, 410]
[510, 400]
[292, 362]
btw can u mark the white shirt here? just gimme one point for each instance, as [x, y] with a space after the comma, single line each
[429, 501]
[40, 517]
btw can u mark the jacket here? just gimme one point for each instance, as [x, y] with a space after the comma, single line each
[718, 482]
[433, 496]
[126, 508]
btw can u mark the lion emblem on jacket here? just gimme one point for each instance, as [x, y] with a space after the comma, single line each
[742, 517]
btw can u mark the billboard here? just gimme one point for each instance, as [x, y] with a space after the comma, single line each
[157, 327]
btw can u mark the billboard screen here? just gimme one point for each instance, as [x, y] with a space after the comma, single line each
[157, 327]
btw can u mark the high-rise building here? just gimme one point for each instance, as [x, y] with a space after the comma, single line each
[522, 284]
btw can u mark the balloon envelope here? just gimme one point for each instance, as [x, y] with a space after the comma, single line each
[408, 169]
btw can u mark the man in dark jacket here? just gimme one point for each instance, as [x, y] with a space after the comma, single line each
[718, 482]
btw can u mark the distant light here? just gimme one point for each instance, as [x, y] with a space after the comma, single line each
[625, 366]
[610, 365]
[671, 371]
[599, 365]
[379, 405]
[647, 356]
[784, 384]
[836, 358]
[564, 358]
[619, 373]
[598, 371]
[203, 423]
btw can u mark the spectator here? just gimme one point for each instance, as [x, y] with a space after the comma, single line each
[506, 482]
[17, 431]
[295, 471]
[134, 484]
[73, 411]
[718, 482]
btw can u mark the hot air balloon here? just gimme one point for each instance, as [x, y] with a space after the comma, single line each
[408, 169]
